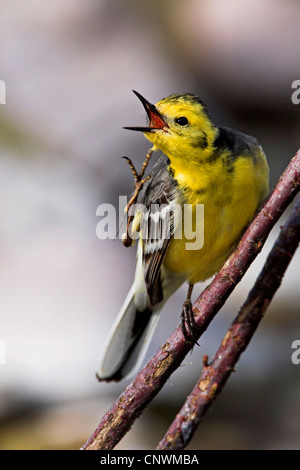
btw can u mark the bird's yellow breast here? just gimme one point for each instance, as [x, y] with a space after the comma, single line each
[230, 200]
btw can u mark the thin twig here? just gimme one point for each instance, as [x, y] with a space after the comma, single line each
[215, 374]
[119, 419]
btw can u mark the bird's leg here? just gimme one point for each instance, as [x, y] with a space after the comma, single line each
[138, 183]
[138, 178]
[187, 318]
[145, 164]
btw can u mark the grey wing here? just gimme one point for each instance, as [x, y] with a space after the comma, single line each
[159, 198]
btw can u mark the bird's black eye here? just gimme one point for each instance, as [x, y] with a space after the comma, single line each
[182, 121]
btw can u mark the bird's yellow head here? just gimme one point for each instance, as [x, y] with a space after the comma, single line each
[180, 126]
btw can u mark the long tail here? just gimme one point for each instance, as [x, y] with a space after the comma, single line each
[128, 340]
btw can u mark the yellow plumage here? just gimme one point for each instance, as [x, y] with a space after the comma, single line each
[222, 169]
[230, 198]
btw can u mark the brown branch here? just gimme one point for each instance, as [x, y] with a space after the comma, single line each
[118, 420]
[215, 374]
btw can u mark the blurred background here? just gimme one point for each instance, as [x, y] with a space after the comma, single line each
[69, 68]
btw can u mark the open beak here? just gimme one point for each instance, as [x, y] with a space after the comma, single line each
[156, 121]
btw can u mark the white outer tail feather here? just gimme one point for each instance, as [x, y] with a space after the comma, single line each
[111, 365]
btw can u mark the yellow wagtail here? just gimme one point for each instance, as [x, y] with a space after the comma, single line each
[219, 168]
